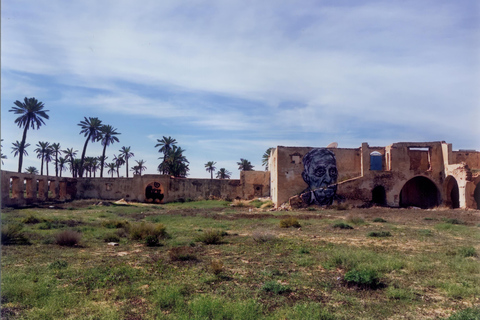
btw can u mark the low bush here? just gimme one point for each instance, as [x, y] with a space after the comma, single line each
[211, 236]
[216, 267]
[379, 220]
[115, 224]
[342, 225]
[355, 220]
[152, 241]
[58, 264]
[289, 222]
[379, 234]
[467, 252]
[182, 254]
[68, 238]
[111, 238]
[31, 219]
[141, 231]
[367, 278]
[275, 287]
[12, 234]
[262, 236]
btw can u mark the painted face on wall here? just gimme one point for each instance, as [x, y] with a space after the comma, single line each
[320, 173]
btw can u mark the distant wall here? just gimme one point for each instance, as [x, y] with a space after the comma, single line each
[23, 189]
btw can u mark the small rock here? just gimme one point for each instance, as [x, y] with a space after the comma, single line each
[113, 244]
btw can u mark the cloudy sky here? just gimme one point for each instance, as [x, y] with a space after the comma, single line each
[228, 79]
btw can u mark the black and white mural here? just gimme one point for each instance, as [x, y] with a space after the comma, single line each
[320, 173]
[154, 192]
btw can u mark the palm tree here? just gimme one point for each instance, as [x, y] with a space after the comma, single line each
[76, 167]
[56, 150]
[126, 154]
[90, 129]
[31, 170]
[244, 165]
[70, 155]
[16, 148]
[176, 164]
[48, 156]
[61, 165]
[210, 167]
[139, 167]
[119, 161]
[107, 136]
[31, 113]
[1, 154]
[42, 147]
[166, 145]
[266, 157]
[94, 166]
[223, 174]
[112, 167]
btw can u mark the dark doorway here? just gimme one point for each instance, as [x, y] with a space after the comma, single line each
[378, 196]
[476, 195]
[419, 192]
[376, 161]
[452, 193]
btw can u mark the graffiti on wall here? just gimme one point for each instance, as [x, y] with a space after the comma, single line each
[154, 192]
[320, 173]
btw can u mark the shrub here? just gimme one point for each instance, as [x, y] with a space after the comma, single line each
[152, 241]
[275, 287]
[111, 238]
[181, 254]
[289, 222]
[467, 252]
[210, 236]
[355, 220]
[68, 238]
[342, 225]
[12, 234]
[31, 219]
[379, 234]
[115, 224]
[304, 251]
[379, 220]
[216, 266]
[367, 278]
[262, 236]
[58, 264]
[141, 231]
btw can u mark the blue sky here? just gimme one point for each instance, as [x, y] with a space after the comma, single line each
[228, 79]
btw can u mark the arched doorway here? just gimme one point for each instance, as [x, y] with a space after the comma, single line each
[379, 196]
[419, 192]
[375, 161]
[452, 193]
[154, 192]
[476, 195]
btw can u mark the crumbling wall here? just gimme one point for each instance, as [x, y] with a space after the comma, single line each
[470, 158]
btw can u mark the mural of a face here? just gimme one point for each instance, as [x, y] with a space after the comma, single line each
[320, 173]
[154, 192]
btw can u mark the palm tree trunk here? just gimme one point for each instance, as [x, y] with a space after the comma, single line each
[56, 164]
[46, 165]
[41, 167]
[103, 159]
[126, 162]
[22, 148]
[83, 155]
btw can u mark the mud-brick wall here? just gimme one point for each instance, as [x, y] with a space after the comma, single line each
[289, 168]
[178, 188]
[471, 158]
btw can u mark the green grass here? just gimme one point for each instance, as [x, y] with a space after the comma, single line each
[257, 270]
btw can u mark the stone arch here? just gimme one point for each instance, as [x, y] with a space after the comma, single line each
[154, 192]
[419, 192]
[452, 192]
[379, 196]
[476, 195]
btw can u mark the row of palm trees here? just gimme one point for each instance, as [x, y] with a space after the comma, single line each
[32, 115]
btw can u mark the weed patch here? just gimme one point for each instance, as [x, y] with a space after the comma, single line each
[289, 222]
[210, 236]
[68, 238]
[182, 254]
[379, 234]
[275, 287]
[379, 220]
[342, 225]
[12, 234]
[365, 278]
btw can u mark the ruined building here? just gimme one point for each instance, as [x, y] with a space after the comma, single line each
[405, 174]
